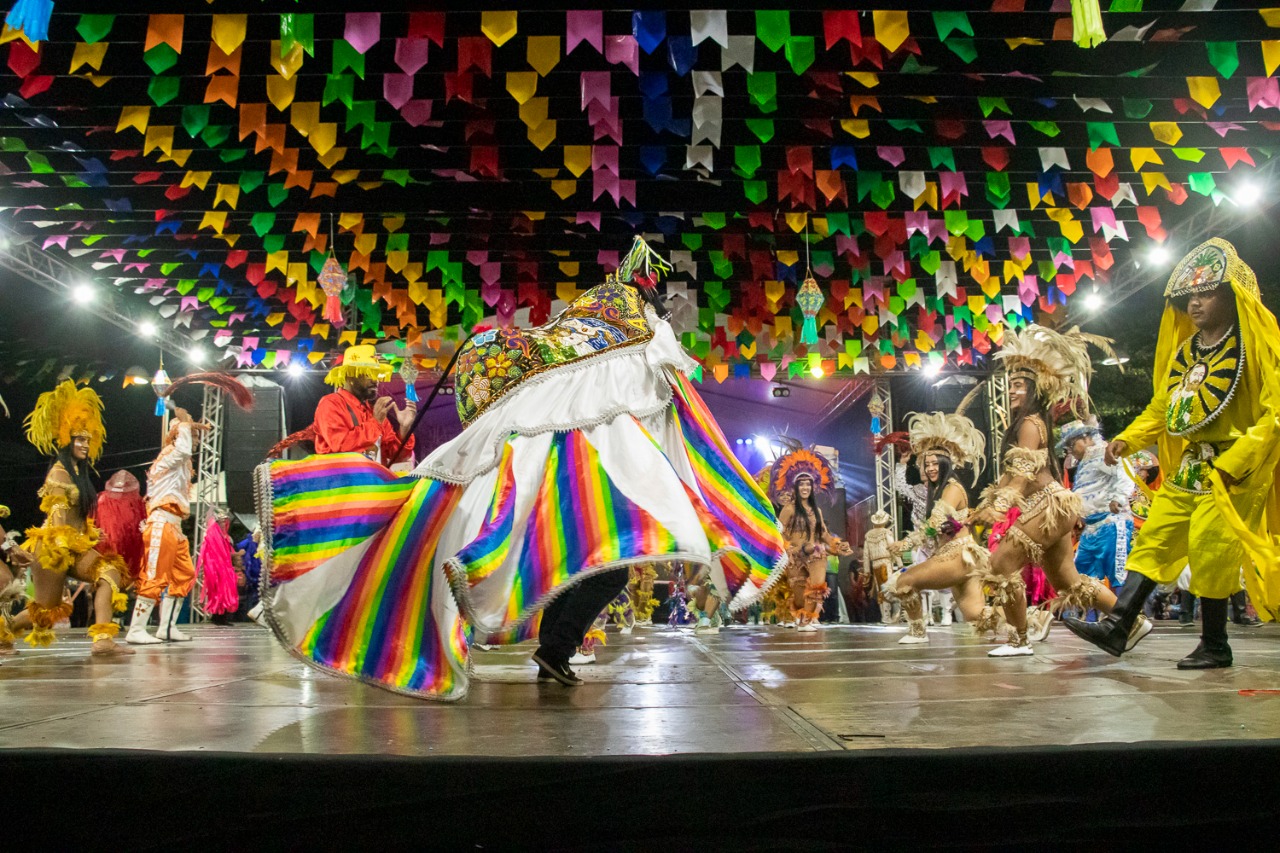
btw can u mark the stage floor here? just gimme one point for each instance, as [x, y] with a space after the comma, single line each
[750, 689]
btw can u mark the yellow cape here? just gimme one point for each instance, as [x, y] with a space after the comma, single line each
[1255, 457]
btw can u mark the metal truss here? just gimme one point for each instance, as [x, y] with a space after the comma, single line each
[20, 255]
[208, 496]
[881, 405]
[997, 419]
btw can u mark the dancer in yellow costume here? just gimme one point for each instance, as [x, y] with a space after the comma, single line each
[1214, 418]
[67, 424]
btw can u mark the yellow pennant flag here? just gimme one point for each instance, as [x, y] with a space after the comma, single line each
[522, 85]
[543, 53]
[1166, 132]
[228, 32]
[498, 26]
[1205, 91]
[1271, 56]
[891, 28]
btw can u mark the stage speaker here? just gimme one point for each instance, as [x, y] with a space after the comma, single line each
[246, 438]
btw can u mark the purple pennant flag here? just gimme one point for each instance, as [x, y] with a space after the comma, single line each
[490, 271]
[1000, 127]
[595, 88]
[363, 30]
[584, 25]
[476, 257]
[490, 292]
[589, 217]
[411, 54]
[607, 259]
[397, 89]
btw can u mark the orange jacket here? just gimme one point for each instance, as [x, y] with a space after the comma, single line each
[345, 424]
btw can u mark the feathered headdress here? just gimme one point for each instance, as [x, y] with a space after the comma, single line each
[1058, 362]
[64, 412]
[801, 463]
[950, 434]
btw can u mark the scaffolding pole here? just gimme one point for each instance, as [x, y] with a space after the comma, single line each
[997, 418]
[881, 408]
[208, 487]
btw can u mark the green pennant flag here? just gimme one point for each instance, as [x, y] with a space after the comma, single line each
[905, 124]
[276, 194]
[762, 128]
[250, 181]
[692, 240]
[94, 28]
[273, 242]
[838, 223]
[1101, 132]
[868, 182]
[1202, 182]
[1191, 155]
[800, 53]
[295, 29]
[990, 104]
[1137, 108]
[195, 118]
[884, 195]
[966, 49]
[232, 155]
[160, 58]
[1223, 56]
[1048, 128]
[338, 87]
[998, 190]
[185, 286]
[1125, 6]
[948, 22]
[162, 90]
[940, 156]
[714, 221]
[762, 86]
[215, 134]
[773, 28]
[755, 191]
[746, 159]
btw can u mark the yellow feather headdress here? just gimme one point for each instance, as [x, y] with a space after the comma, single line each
[62, 413]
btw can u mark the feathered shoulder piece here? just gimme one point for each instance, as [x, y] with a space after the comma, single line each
[63, 413]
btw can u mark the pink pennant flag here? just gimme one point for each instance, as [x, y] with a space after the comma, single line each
[953, 184]
[59, 240]
[1103, 217]
[1263, 92]
[584, 25]
[1028, 290]
[490, 293]
[1019, 247]
[397, 89]
[595, 88]
[589, 217]
[189, 303]
[627, 191]
[1000, 127]
[235, 318]
[623, 50]
[221, 338]
[917, 222]
[490, 272]
[244, 358]
[607, 259]
[604, 157]
[363, 30]
[115, 254]
[417, 112]
[768, 370]
[1222, 128]
[891, 154]
[411, 54]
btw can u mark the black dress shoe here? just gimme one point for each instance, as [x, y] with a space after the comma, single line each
[1247, 621]
[1207, 656]
[556, 672]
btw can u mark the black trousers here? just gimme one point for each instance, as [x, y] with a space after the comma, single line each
[566, 620]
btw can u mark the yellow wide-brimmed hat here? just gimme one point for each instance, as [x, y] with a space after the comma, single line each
[359, 360]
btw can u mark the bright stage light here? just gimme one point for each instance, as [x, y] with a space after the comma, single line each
[816, 371]
[83, 293]
[1094, 301]
[1247, 194]
[750, 442]
[738, 441]
[932, 370]
[296, 369]
[196, 355]
[147, 329]
[1159, 256]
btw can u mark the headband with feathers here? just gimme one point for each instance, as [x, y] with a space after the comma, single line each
[64, 412]
[1058, 362]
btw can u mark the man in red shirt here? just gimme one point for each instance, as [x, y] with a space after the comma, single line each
[354, 419]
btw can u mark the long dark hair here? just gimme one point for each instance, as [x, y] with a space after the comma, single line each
[1031, 405]
[800, 518]
[933, 491]
[79, 473]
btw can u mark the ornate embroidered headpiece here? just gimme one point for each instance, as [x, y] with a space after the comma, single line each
[1206, 267]
[63, 413]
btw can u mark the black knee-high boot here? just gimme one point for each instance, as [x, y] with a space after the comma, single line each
[1213, 651]
[1112, 633]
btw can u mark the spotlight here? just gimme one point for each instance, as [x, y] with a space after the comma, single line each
[781, 391]
[816, 371]
[147, 329]
[1094, 301]
[932, 370]
[750, 442]
[762, 441]
[196, 355]
[738, 441]
[1247, 194]
[296, 369]
[83, 293]
[136, 376]
[1117, 361]
[1159, 255]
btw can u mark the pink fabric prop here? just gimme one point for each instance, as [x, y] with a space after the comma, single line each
[219, 594]
[1038, 588]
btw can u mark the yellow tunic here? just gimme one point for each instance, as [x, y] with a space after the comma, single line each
[1188, 523]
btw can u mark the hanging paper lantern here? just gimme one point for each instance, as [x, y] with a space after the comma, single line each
[409, 373]
[332, 280]
[810, 300]
[160, 384]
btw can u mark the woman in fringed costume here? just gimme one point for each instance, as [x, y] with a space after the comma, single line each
[1047, 370]
[67, 424]
[804, 473]
[944, 443]
[585, 450]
